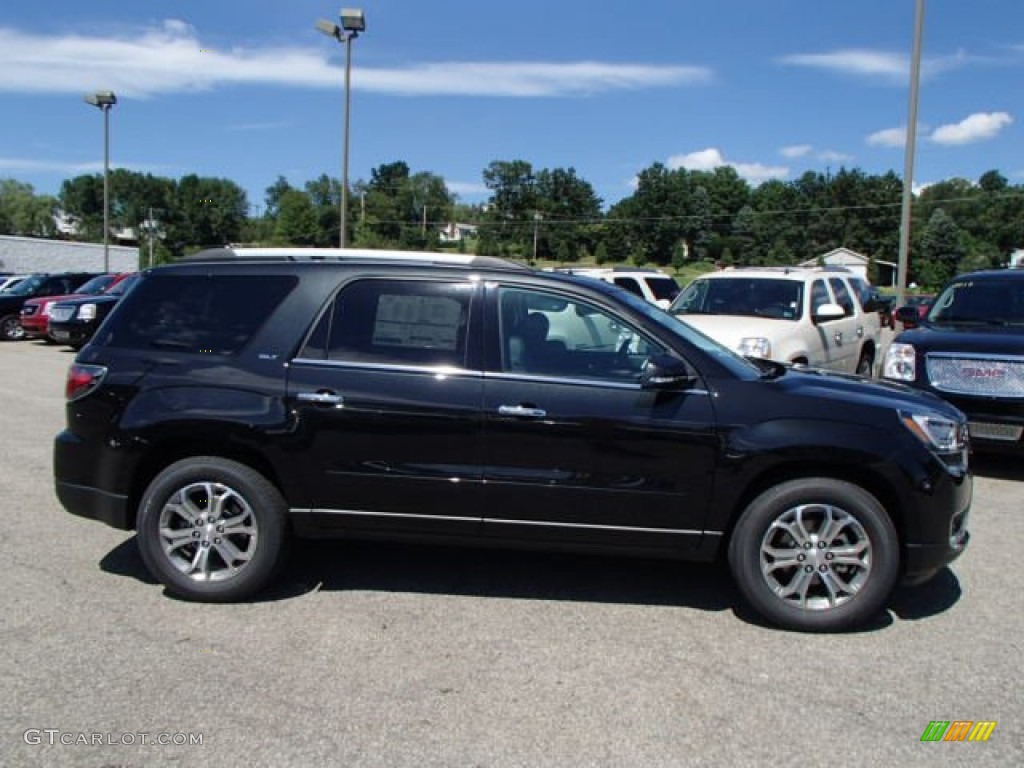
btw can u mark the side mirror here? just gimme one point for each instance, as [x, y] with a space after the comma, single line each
[826, 312]
[664, 372]
[908, 316]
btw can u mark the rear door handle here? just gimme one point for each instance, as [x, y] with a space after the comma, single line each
[320, 398]
[522, 411]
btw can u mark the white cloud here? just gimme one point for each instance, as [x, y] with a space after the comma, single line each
[170, 58]
[889, 137]
[832, 156]
[67, 167]
[977, 127]
[711, 158]
[864, 62]
[467, 188]
[796, 150]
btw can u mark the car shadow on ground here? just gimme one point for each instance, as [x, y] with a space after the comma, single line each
[997, 466]
[319, 566]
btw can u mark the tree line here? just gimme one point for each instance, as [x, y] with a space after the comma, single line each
[673, 217]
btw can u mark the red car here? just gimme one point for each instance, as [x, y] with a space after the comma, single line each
[35, 313]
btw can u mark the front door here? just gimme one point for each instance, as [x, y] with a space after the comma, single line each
[574, 450]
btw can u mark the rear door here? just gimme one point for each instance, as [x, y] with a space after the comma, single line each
[387, 394]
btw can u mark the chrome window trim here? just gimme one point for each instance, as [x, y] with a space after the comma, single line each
[444, 370]
[432, 370]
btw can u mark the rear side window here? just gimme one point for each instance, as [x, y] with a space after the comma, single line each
[395, 322]
[630, 285]
[843, 297]
[209, 314]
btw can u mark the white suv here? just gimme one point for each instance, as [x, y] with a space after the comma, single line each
[808, 316]
[651, 284]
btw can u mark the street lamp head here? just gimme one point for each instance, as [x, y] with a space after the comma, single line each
[101, 99]
[353, 20]
[329, 28]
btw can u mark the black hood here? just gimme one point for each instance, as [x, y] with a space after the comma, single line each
[973, 338]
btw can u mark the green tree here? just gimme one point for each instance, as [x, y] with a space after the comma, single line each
[941, 251]
[297, 222]
[23, 212]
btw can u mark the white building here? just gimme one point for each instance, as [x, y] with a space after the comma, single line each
[20, 255]
[857, 263]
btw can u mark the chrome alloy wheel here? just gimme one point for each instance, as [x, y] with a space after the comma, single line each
[208, 531]
[816, 557]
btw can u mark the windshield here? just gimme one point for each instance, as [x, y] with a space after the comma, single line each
[26, 287]
[735, 363]
[97, 284]
[123, 287]
[991, 301]
[746, 296]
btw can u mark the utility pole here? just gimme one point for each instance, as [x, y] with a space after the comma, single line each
[908, 157]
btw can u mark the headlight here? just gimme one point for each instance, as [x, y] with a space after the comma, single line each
[900, 363]
[937, 432]
[48, 309]
[87, 312]
[755, 346]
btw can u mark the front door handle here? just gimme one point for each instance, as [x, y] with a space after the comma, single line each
[838, 338]
[521, 411]
[320, 398]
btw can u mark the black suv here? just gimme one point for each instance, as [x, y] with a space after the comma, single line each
[969, 349]
[240, 397]
[33, 286]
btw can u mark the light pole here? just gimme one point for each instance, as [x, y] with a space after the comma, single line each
[104, 100]
[908, 157]
[353, 21]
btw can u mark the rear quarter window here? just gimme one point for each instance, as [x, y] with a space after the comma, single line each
[209, 314]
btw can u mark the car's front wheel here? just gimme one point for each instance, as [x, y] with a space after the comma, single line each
[212, 529]
[10, 328]
[815, 554]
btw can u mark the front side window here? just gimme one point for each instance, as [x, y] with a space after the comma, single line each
[819, 296]
[549, 334]
[399, 322]
[843, 297]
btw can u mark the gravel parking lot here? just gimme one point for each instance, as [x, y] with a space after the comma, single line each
[386, 655]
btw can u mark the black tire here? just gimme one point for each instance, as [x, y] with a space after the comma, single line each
[10, 328]
[769, 555]
[866, 365]
[174, 525]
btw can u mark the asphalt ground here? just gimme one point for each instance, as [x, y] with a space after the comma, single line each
[388, 655]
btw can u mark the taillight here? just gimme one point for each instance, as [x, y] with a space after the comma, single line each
[82, 379]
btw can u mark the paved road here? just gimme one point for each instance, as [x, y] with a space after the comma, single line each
[375, 655]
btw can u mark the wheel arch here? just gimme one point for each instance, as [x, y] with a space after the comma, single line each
[175, 449]
[875, 484]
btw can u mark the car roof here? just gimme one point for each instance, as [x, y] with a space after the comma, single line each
[349, 255]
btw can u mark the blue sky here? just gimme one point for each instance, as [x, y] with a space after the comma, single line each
[250, 90]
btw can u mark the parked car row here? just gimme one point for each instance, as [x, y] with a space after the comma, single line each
[80, 300]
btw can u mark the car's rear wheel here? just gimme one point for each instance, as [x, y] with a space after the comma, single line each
[10, 328]
[212, 529]
[815, 554]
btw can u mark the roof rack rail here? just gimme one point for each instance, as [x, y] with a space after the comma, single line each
[336, 255]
